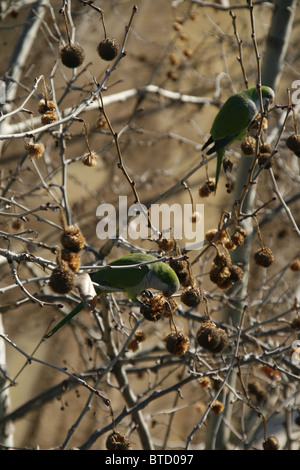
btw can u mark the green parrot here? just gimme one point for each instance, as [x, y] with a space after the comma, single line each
[233, 120]
[131, 280]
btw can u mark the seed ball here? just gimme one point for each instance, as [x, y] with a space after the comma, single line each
[177, 343]
[35, 150]
[230, 245]
[225, 283]
[166, 244]
[271, 443]
[139, 336]
[238, 236]
[117, 441]
[236, 273]
[178, 265]
[204, 382]
[263, 158]
[108, 49]
[237, 239]
[48, 117]
[218, 274]
[192, 296]
[45, 106]
[72, 55]
[248, 145]
[72, 259]
[133, 345]
[293, 142]
[89, 159]
[264, 257]
[222, 260]
[72, 239]
[211, 337]
[62, 279]
[217, 407]
[296, 323]
[295, 265]
[17, 225]
[152, 308]
[265, 148]
[207, 188]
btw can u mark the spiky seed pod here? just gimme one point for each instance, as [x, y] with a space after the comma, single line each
[17, 225]
[230, 245]
[236, 273]
[265, 148]
[192, 296]
[45, 106]
[72, 259]
[271, 443]
[222, 260]
[207, 188]
[218, 274]
[211, 337]
[72, 55]
[62, 279]
[90, 159]
[217, 407]
[295, 265]
[204, 382]
[263, 158]
[178, 265]
[225, 282]
[264, 257]
[296, 323]
[166, 244]
[133, 345]
[35, 150]
[210, 235]
[139, 336]
[117, 441]
[248, 145]
[177, 342]
[181, 268]
[102, 122]
[153, 308]
[293, 143]
[186, 279]
[238, 237]
[48, 117]
[108, 49]
[72, 239]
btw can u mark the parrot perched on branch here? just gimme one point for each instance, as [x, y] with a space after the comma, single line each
[132, 280]
[234, 119]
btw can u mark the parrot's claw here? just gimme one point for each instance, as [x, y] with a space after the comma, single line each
[147, 293]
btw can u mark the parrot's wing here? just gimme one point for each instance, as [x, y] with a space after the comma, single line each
[126, 277]
[232, 120]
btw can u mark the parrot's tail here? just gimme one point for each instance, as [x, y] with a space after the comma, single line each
[220, 154]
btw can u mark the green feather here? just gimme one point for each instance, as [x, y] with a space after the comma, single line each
[233, 120]
[132, 280]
